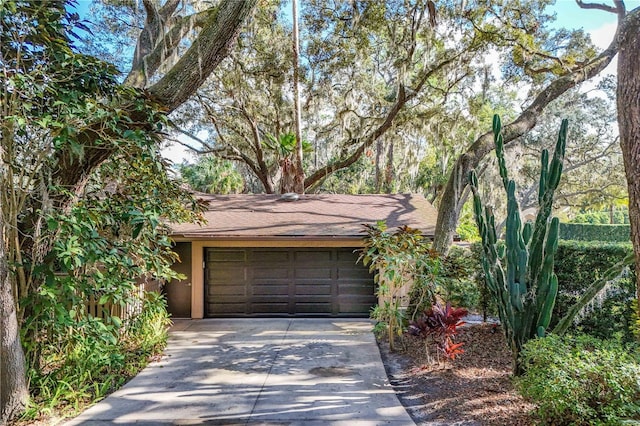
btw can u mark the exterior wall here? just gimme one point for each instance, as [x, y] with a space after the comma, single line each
[197, 259]
[178, 292]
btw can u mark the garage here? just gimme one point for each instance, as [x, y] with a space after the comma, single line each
[256, 255]
[286, 282]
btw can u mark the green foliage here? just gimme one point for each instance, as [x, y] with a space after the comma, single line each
[593, 232]
[147, 332]
[487, 304]
[212, 175]
[581, 380]
[636, 322]
[620, 216]
[457, 282]
[58, 104]
[578, 264]
[94, 359]
[399, 260]
[358, 178]
[520, 272]
[89, 326]
[85, 200]
[285, 144]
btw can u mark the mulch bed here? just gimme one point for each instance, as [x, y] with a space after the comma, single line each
[473, 389]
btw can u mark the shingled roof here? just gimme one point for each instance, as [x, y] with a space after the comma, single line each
[312, 215]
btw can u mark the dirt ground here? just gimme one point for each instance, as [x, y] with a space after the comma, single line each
[473, 389]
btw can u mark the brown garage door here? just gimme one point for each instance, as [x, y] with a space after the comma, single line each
[284, 282]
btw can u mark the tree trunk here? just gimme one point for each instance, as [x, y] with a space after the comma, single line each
[379, 152]
[13, 386]
[450, 203]
[299, 168]
[389, 174]
[628, 99]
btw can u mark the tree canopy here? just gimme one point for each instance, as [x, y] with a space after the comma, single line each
[394, 96]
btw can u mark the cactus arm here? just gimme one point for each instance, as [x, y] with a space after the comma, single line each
[547, 308]
[544, 167]
[499, 144]
[552, 179]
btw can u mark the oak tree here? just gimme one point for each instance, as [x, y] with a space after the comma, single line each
[64, 114]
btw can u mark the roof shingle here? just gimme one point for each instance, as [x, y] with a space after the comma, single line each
[312, 215]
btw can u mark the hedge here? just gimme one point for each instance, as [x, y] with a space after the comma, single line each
[578, 264]
[590, 232]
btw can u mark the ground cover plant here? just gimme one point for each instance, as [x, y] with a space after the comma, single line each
[92, 360]
[581, 380]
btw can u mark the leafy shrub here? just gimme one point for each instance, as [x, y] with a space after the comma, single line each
[439, 325]
[581, 380]
[578, 264]
[147, 331]
[94, 358]
[593, 232]
[397, 259]
[457, 281]
[80, 334]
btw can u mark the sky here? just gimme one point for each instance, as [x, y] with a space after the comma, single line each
[599, 24]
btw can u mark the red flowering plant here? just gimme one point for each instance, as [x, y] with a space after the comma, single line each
[439, 325]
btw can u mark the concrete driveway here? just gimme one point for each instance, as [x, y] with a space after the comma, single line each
[259, 371]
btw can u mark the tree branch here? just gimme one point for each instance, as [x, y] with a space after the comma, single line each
[169, 7]
[599, 6]
[447, 216]
[368, 140]
[171, 91]
[148, 59]
[210, 47]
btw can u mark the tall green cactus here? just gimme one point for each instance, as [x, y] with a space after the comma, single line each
[519, 271]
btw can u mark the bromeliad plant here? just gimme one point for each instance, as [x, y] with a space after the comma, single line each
[519, 271]
[438, 326]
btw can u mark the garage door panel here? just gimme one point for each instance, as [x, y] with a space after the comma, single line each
[348, 255]
[313, 273]
[354, 307]
[313, 308]
[313, 289]
[270, 256]
[355, 288]
[227, 290]
[270, 290]
[354, 274]
[274, 273]
[286, 281]
[227, 256]
[313, 256]
[226, 308]
[269, 308]
[224, 275]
